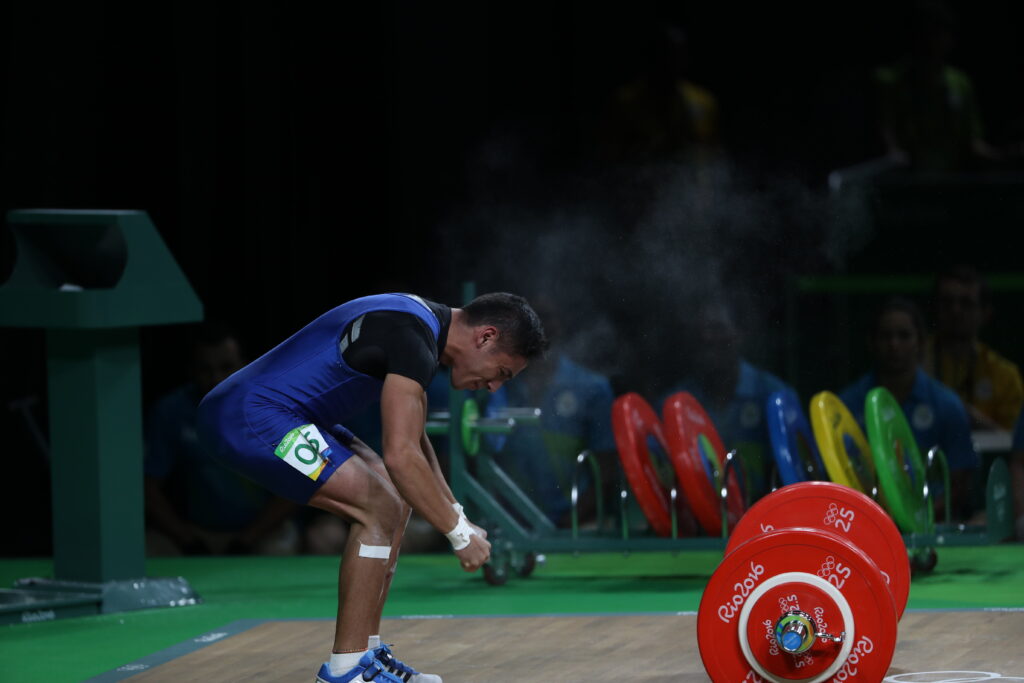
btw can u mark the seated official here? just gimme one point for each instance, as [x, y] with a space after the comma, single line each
[934, 412]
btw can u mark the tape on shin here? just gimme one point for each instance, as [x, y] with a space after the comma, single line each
[376, 552]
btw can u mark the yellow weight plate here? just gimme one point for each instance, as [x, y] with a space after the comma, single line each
[834, 428]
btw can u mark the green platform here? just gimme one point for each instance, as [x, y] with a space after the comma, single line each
[305, 588]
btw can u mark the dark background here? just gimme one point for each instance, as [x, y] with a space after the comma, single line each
[293, 157]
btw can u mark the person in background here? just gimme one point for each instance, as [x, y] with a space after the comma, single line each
[989, 385]
[928, 111]
[733, 391]
[661, 114]
[935, 413]
[195, 505]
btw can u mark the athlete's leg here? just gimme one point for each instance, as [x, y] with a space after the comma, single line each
[400, 669]
[358, 492]
[376, 464]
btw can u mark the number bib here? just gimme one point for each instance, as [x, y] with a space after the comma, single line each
[301, 448]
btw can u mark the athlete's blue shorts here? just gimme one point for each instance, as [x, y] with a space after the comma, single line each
[244, 432]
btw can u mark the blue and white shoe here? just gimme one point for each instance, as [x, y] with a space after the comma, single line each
[400, 669]
[368, 670]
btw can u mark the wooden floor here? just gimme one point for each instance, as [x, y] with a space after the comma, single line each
[640, 649]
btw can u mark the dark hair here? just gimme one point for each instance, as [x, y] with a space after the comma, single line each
[522, 332]
[902, 305]
[964, 274]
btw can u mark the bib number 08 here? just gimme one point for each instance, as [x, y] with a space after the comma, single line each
[305, 449]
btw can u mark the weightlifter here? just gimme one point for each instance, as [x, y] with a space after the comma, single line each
[279, 421]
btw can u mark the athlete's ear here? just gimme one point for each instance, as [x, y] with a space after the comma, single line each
[486, 334]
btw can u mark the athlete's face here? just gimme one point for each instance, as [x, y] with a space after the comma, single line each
[485, 365]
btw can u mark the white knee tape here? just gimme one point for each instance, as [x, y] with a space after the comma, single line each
[376, 552]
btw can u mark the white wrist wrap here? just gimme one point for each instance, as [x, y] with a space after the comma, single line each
[459, 536]
[458, 508]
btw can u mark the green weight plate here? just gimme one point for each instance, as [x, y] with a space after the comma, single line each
[470, 436]
[898, 463]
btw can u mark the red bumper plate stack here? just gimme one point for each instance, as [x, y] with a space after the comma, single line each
[797, 570]
[847, 513]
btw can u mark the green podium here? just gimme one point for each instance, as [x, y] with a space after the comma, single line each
[90, 278]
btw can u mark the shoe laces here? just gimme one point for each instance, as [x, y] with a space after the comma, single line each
[376, 673]
[394, 665]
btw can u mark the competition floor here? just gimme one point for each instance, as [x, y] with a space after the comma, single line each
[588, 618]
[581, 648]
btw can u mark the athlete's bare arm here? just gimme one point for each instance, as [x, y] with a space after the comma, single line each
[428, 450]
[404, 413]
[403, 407]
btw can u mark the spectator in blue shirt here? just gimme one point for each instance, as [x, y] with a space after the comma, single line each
[732, 391]
[575, 405]
[195, 505]
[935, 413]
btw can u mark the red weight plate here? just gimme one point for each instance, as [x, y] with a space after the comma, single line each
[841, 510]
[633, 421]
[794, 592]
[801, 556]
[685, 423]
